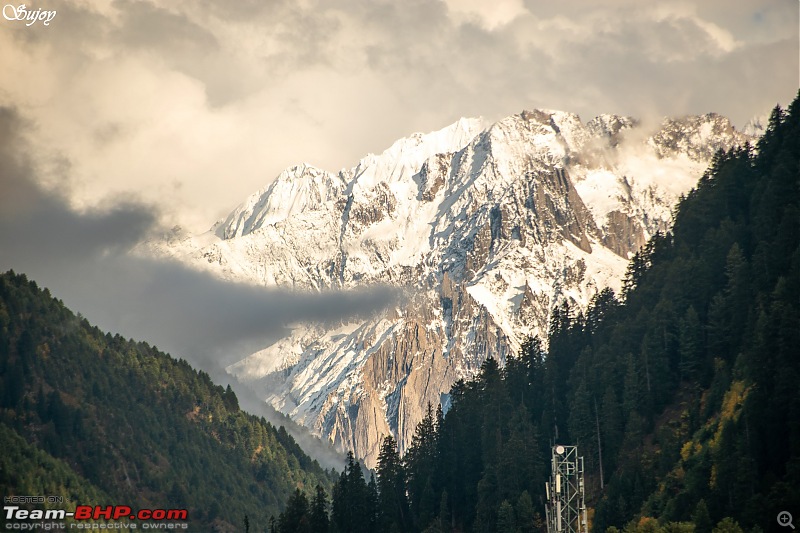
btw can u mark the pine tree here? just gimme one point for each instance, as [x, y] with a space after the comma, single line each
[738, 293]
[358, 497]
[351, 505]
[582, 429]
[318, 520]
[632, 395]
[341, 515]
[520, 466]
[372, 509]
[611, 423]
[393, 503]
[420, 463]
[526, 516]
[231, 401]
[701, 518]
[506, 521]
[295, 518]
[690, 346]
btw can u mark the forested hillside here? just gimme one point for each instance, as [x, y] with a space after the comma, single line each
[100, 419]
[682, 392]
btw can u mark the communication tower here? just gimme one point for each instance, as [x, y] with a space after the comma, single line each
[566, 507]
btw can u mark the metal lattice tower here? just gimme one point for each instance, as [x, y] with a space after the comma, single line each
[566, 507]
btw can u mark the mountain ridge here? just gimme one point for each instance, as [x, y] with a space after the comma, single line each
[490, 232]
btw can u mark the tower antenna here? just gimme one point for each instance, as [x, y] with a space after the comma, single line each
[566, 505]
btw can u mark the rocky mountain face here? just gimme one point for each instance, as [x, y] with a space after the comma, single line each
[487, 227]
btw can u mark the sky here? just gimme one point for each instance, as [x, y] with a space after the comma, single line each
[121, 118]
[192, 106]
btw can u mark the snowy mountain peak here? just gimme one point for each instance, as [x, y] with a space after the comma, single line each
[610, 125]
[697, 136]
[405, 156]
[303, 187]
[756, 126]
[296, 190]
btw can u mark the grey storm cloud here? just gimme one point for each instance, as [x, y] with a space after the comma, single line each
[84, 258]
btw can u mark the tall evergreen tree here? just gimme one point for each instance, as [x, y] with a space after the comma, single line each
[318, 519]
[295, 519]
[420, 465]
[691, 349]
[393, 502]
[352, 506]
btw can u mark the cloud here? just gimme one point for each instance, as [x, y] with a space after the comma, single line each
[194, 105]
[488, 15]
[82, 256]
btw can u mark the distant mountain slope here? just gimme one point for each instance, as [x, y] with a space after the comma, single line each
[116, 419]
[488, 226]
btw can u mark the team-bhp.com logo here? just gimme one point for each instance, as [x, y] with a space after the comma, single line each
[29, 16]
[110, 517]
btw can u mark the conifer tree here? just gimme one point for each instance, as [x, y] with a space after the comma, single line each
[525, 514]
[506, 521]
[393, 503]
[420, 464]
[295, 518]
[318, 519]
[690, 346]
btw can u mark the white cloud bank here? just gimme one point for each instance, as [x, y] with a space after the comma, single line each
[193, 105]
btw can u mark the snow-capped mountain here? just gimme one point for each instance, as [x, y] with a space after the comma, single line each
[489, 226]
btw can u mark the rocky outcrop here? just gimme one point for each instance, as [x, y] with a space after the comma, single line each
[623, 234]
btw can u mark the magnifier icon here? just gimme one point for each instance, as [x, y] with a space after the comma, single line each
[785, 519]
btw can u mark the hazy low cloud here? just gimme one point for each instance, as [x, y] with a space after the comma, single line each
[82, 257]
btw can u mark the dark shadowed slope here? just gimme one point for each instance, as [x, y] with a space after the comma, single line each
[94, 417]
